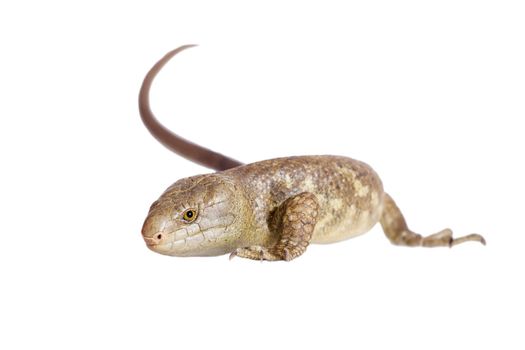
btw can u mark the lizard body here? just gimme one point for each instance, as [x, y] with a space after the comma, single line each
[272, 209]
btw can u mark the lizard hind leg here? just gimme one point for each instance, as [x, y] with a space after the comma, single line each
[397, 231]
[294, 222]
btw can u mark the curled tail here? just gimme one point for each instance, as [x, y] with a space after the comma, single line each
[173, 142]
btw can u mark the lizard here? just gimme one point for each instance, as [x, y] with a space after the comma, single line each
[272, 209]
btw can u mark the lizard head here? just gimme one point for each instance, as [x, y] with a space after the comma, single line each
[197, 216]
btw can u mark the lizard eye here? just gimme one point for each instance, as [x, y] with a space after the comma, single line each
[189, 215]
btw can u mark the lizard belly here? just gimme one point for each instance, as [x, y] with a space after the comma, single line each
[347, 223]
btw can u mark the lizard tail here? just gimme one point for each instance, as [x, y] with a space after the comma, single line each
[173, 142]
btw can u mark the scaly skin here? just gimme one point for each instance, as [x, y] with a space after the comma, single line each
[269, 210]
[236, 207]
[239, 210]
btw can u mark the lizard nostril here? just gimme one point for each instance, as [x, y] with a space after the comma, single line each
[159, 236]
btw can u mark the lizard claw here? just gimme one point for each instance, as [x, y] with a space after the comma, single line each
[254, 252]
[232, 255]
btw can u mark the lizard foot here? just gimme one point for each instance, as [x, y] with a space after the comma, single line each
[396, 229]
[444, 238]
[255, 252]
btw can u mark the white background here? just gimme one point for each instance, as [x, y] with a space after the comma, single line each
[431, 94]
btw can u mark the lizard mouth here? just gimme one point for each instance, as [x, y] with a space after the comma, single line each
[200, 243]
[167, 248]
[176, 246]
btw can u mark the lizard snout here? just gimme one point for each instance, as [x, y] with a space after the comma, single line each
[161, 236]
[152, 230]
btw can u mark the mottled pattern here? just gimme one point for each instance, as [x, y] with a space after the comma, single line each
[349, 192]
[273, 209]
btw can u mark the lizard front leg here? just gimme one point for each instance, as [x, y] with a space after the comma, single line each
[294, 222]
